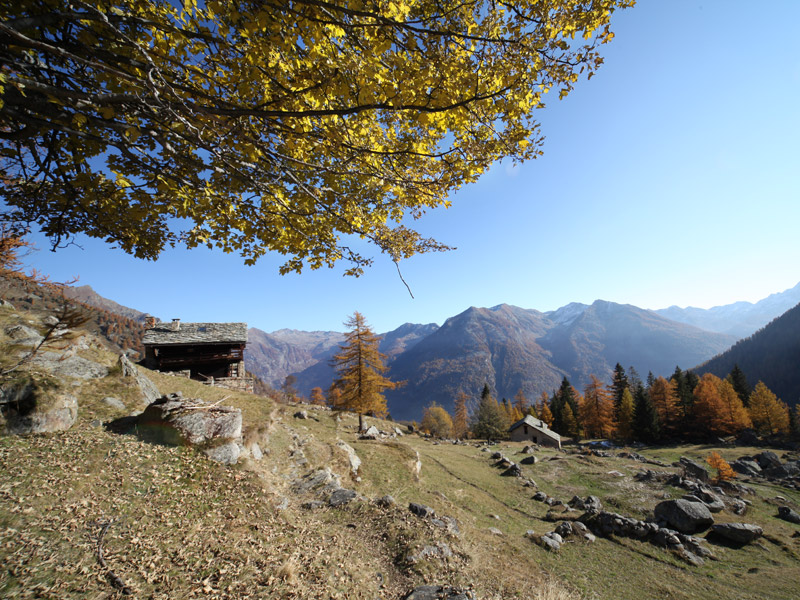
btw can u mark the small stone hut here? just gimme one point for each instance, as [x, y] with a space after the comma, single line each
[531, 429]
[209, 352]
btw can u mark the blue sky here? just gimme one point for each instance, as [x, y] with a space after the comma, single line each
[672, 177]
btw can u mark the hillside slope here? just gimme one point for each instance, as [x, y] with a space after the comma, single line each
[771, 355]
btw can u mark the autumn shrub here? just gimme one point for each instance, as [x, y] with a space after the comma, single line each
[724, 470]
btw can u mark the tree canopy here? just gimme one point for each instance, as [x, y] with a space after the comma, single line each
[283, 127]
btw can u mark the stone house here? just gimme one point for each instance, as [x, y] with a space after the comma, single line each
[531, 429]
[209, 352]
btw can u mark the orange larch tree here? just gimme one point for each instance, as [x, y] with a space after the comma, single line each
[717, 408]
[461, 417]
[597, 410]
[769, 414]
[664, 396]
[544, 412]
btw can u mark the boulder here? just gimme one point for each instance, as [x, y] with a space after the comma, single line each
[685, 516]
[23, 335]
[694, 470]
[528, 450]
[746, 466]
[438, 592]
[495, 531]
[549, 542]
[341, 497]
[787, 514]
[386, 501]
[789, 469]
[175, 421]
[513, 471]
[148, 390]
[255, 451]
[115, 403]
[738, 533]
[529, 460]
[352, 457]
[324, 479]
[71, 366]
[592, 504]
[421, 510]
[301, 414]
[33, 405]
[767, 459]
[371, 433]
[748, 437]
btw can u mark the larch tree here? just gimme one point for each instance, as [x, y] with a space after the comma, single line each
[664, 398]
[490, 421]
[625, 420]
[544, 412]
[461, 417]
[285, 127]
[521, 402]
[360, 369]
[735, 415]
[570, 424]
[717, 408]
[317, 396]
[597, 410]
[769, 414]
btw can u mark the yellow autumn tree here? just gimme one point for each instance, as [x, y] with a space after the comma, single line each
[625, 421]
[717, 408]
[317, 396]
[769, 414]
[273, 126]
[543, 410]
[360, 367]
[597, 410]
[664, 397]
[461, 417]
[436, 421]
[724, 471]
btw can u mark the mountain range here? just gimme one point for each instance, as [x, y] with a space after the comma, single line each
[512, 348]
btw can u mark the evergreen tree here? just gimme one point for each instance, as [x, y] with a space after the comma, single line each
[566, 395]
[619, 383]
[360, 368]
[569, 422]
[490, 421]
[646, 427]
[634, 381]
[685, 398]
[739, 382]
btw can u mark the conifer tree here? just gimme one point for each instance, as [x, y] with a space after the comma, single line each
[489, 421]
[626, 414]
[665, 401]
[521, 402]
[569, 422]
[544, 411]
[717, 408]
[597, 410]
[646, 427]
[685, 398]
[317, 397]
[460, 418]
[735, 416]
[769, 414]
[619, 384]
[740, 384]
[360, 367]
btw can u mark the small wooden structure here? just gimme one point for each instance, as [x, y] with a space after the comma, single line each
[531, 429]
[209, 352]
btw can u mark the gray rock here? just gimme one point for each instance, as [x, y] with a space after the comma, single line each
[592, 503]
[767, 459]
[739, 533]
[447, 523]
[316, 480]
[497, 456]
[421, 510]
[787, 514]
[439, 550]
[148, 390]
[528, 450]
[513, 471]
[548, 543]
[114, 403]
[341, 497]
[50, 320]
[582, 531]
[736, 506]
[564, 529]
[789, 469]
[694, 470]
[352, 457]
[173, 421]
[746, 466]
[529, 460]
[301, 414]
[72, 366]
[685, 516]
[255, 451]
[540, 497]
[227, 454]
[495, 531]
[438, 592]
[23, 335]
[32, 406]
[386, 501]
[312, 505]
[555, 536]
[7, 304]
[371, 433]
[576, 503]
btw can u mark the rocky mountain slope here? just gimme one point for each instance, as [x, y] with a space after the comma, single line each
[86, 295]
[771, 355]
[739, 319]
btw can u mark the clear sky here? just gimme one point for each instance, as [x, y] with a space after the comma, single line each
[672, 177]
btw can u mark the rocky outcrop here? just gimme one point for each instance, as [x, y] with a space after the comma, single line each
[71, 366]
[33, 405]
[176, 421]
[737, 533]
[685, 516]
[149, 391]
[787, 514]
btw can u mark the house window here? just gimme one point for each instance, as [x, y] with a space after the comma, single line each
[525, 427]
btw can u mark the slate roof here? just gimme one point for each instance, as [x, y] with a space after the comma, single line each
[196, 333]
[538, 425]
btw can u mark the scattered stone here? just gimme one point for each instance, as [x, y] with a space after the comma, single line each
[737, 506]
[582, 531]
[739, 533]
[513, 471]
[438, 592]
[226, 454]
[564, 529]
[767, 459]
[592, 504]
[440, 550]
[96, 423]
[495, 531]
[283, 504]
[352, 457]
[371, 433]
[694, 470]
[787, 514]
[114, 403]
[386, 501]
[312, 505]
[24, 335]
[341, 497]
[528, 450]
[495, 517]
[447, 523]
[577, 503]
[746, 466]
[148, 389]
[748, 437]
[548, 543]
[616, 474]
[301, 414]
[685, 516]
[529, 460]
[421, 510]
[497, 456]
[321, 479]
[398, 432]
[540, 497]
